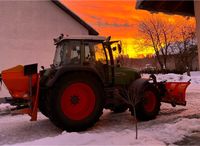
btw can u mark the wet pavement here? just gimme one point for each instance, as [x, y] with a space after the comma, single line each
[194, 139]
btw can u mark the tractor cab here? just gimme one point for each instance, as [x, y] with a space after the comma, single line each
[76, 50]
[95, 52]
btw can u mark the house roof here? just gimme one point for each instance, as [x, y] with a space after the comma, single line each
[182, 7]
[91, 30]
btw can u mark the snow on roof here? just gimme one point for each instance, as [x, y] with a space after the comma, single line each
[84, 37]
[79, 37]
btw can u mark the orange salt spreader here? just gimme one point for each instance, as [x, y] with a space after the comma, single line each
[22, 83]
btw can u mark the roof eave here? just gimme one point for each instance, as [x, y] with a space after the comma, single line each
[148, 5]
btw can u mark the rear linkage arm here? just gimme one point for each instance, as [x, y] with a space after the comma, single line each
[159, 85]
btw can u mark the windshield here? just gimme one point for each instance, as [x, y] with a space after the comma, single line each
[100, 53]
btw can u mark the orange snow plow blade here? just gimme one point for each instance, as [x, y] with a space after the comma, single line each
[175, 93]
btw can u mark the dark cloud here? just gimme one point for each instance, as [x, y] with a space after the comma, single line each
[102, 23]
[112, 24]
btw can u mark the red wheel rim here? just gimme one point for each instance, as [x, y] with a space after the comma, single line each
[149, 101]
[78, 101]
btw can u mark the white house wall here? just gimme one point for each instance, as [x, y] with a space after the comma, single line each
[27, 29]
[197, 13]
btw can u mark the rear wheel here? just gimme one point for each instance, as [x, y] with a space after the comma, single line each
[149, 106]
[44, 102]
[77, 102]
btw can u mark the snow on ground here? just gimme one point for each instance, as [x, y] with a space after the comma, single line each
[170, 126]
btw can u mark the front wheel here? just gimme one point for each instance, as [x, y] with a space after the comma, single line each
[149, 105]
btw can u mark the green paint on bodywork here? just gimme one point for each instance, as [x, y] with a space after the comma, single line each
[125, 75]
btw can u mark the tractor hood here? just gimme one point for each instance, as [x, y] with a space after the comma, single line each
[125, 75]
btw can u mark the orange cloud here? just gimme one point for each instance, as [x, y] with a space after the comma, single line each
[118, 18]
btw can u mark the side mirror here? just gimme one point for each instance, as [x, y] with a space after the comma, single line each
[108, 39]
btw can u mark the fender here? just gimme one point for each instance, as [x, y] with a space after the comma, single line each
[70, 69]
[136, 89]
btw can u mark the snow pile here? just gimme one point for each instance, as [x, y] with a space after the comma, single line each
[195, 77]
[104, 138]
[171, 77]
[4, 107]
[160, 134]
[170, 133]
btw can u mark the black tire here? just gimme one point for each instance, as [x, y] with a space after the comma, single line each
[72, 120]
[41, 106]
[43, 103]
[120, 108]
[149, 106]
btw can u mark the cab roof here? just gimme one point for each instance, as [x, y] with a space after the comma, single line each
[79, 37]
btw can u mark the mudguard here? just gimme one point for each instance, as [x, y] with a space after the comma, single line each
[64, 70]
[136, 90]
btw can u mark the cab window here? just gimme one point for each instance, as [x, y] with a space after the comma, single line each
[71, 52]
[89, 52]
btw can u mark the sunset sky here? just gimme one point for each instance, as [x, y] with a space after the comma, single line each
[119, 19]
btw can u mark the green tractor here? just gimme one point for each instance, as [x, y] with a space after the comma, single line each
[83, 80]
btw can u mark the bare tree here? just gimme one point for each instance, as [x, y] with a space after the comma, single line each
[185, 47]
[157, 34]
